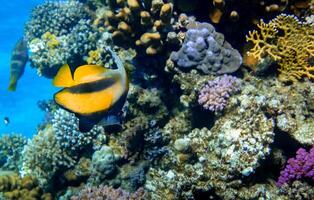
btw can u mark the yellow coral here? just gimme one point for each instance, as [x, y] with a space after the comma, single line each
[51, 39]
[94, 57]
[288, 42]
[14, 187]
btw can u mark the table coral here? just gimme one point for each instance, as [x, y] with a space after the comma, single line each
[289, 42]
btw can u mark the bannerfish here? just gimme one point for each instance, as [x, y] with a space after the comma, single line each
[19, 59]
[6, 120]
[93, 93]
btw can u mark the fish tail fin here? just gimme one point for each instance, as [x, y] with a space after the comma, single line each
[12, 84]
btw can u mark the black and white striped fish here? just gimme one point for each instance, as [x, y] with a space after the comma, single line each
[19, 59]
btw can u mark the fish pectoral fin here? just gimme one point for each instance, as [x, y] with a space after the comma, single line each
[86, 123]
[110, 120]
[90, 71]
[63, 77]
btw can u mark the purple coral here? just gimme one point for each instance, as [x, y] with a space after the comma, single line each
[207, 50]
[108, 193]
[302, 166]
[215, 94]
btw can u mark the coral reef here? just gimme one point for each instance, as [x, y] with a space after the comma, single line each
[67, 134]
[214, 95]
[186, 132]
[43, 156]
[206, 50]
[143, 24]
[104, 163]
[107, 193]
[289, 43]
[11, 147]
[56, 18]
[50, 51]
[12, 187]
[298, 190]
[302, 166]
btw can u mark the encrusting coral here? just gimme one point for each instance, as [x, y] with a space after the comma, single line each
[13, 187]
[287, 41]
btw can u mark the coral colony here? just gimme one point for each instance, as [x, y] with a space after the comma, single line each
[216, 91]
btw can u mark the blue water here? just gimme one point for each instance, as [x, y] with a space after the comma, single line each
[20, 106]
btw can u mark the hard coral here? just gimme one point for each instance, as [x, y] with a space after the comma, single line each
[207, 50]
[11, 147]
[146, 22]
[65, 127]
[108, 193]
[15, 188]
[302, 166]
[213, 96]
[54, 17]
[287, 41]
[43, 157]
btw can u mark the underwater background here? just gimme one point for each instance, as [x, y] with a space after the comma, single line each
[157, 100]
[20, 107]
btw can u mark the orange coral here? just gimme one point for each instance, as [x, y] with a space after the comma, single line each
[288, 42]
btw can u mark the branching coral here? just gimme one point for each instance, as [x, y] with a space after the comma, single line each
[15, 188]
[108, 193]
[302, 166]
[68, 136]
[54, 17]
[146, 22]
[213, 96]
[43, 156]
[287, 41]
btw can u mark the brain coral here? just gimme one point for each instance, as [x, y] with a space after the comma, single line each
[207, 50]
[289, 42]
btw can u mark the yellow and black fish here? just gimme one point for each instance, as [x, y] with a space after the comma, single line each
[19, 59]
[95, 94]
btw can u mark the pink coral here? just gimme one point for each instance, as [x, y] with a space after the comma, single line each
[214, 95]
[108, 193]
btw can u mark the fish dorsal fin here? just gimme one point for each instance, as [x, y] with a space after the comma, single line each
[64, 77]
[87, 73]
